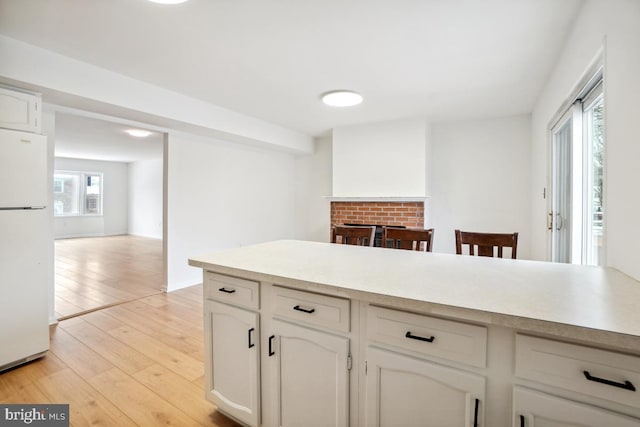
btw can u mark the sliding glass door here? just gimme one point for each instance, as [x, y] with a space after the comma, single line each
[594, 177]
[560, 221]
[576, 217]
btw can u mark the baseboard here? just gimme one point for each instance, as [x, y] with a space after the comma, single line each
[80, 236]
[148, 236]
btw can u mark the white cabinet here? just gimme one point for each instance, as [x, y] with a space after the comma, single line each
[404, 388]
[601, 373]
[232, 355]
[431, 336]
[20, 111]
[310, 376]
[279, 356]
[406, 391]
[536, 409]
[609, 376]
[308, 308]
[232, 290]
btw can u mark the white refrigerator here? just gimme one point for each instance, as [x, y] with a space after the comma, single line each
[24, 248]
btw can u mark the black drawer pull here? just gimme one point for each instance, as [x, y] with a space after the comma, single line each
[521, 420]
[419, 338]
[475, 413]
[271, 352]
[249, 337]
[304, 310]
[227, 291]
[626, 385]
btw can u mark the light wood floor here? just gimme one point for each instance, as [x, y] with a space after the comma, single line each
[100, 271]
[138, 363]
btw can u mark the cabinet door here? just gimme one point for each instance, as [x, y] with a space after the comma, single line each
[536, 409]
[232, 370]
[19, 111]
[405, 391]
[311, 376]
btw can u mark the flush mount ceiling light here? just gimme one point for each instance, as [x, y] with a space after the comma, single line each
[342, 98]
[168, 1]
[138, 133]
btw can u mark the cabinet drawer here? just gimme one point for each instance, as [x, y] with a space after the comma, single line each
[233, 290]
[460, 342]
[591, 371]
[532, 408]
[313, 309]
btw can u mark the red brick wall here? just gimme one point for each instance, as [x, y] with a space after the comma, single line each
[409, 214]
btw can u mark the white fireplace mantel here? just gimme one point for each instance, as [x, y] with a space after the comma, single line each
[376, 198]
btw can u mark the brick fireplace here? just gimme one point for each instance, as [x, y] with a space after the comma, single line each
[409, 214]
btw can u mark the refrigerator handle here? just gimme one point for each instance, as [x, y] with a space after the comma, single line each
[23, 208]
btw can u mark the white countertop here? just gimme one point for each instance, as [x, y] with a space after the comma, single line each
[504, 291]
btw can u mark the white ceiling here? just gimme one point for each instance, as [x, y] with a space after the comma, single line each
[271, 59]
[89, 138]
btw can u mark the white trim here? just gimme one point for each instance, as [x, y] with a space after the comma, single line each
[593, 73]
[377, 199]
[577, 184]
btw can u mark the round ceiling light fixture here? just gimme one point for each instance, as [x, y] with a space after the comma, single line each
[168, 1]
[138, 133]
[341, 98]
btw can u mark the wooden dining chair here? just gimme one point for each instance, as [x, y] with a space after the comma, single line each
[353, 235]
[486, 242]
[408, 238]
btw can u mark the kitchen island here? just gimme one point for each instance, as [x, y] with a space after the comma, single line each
[307, 333]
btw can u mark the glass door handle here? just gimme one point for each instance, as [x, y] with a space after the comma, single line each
[559, 222]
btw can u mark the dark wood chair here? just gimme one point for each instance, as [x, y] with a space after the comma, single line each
[486, 242]
[353, 235]
[408, 238]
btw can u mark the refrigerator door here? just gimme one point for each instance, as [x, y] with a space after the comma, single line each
[23, 169]
[24, 320]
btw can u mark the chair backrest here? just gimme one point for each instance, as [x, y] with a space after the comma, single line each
[486, 242]
[408, 238]
[353, 235]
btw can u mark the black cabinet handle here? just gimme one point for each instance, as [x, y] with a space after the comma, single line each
[271, 352]
[627, 385]
[521, 420]
[227, 291]
[419, 338]
[304, 310]
[249, 337]
[475, 414]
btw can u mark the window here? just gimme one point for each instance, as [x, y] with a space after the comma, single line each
[77, 193]
[58, 186]
[577, 211]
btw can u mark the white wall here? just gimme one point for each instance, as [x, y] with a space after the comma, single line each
[145, 198]
[222, 195]
[313, 184]
[614, 25]
[49, 129]
[114, 219]
[480, 180]
[381, 159]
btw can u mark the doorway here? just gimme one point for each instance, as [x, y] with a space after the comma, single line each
[108, 213]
